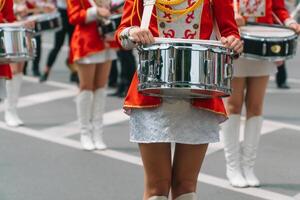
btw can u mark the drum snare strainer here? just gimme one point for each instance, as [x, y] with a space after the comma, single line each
[180, 68]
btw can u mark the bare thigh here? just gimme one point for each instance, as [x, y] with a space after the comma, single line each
[86, 75]
[256, 90]
[17, 68]
[102, 74]
[186, 167]
[157, 168]
[234, 103]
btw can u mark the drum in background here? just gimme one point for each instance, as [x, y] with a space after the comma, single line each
[17, 44]
[109, 27]
[46, 22]
[270, 43]
[180, 68]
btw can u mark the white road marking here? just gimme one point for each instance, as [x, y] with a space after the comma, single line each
[297, 197]
[280, 91]
[69, 129]
[51, 83]
[290, 80]
[204, 178]
[44, 97]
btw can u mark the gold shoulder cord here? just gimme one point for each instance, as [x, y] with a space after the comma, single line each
[162, 5]
[2, 3]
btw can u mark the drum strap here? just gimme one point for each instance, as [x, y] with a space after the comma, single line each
[147, 12]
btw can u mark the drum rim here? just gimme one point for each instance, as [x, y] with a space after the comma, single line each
[268, 39]
[44, 16]
[267, 58]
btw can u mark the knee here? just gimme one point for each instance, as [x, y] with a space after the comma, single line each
[183, 186]
[254, 109]
[234, 107]
[158, 187]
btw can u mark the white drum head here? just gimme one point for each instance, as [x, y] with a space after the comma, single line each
[266, 32]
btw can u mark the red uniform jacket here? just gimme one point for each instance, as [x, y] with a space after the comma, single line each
[224, 15]
[6, 15]
[86, 39]
[278, 8]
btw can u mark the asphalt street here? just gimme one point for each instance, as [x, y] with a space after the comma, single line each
[44, 161]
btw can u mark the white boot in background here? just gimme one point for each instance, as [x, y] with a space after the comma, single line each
[230, 137]
[13, 87]
[158, 198]
[188, 196]
[97, 118]
[84, 108]
[251, 140]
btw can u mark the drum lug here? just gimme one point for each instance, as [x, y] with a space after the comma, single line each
[172, 69]
[207, 67]
[264, 49]
[287, 46]
[228, 71]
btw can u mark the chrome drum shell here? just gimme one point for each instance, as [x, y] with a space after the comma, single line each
[17, 44]
[184, 70]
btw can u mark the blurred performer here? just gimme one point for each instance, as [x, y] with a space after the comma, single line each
[157, 122]
[128, 66]
[6, 15]
[249, 86]
[13, 85]
[67, 29]
[25, 8]
[93, 56]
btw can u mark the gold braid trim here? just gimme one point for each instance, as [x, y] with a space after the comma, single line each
[2, 3]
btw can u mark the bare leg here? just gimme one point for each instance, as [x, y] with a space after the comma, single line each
[157, 168]
[256, 89]
[186, 167]
[234, 103]
[87, 76]
[102, 74]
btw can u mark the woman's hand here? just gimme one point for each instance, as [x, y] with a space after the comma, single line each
[295, 27]
[103, 12]
[233, 43]
[29, 24]
[141, 36]
[239, 19]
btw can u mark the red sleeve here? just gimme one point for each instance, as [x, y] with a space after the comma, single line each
[76, 12]
[224, 15]
[7, 12]
[127, 16]
[278, 7]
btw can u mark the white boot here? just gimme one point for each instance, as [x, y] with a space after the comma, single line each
[84, 109]
[158, 198]
[97, 118]
[230, 137]
[13, 87]
[188, 196]
[251, 140]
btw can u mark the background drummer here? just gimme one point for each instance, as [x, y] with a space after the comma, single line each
[93, 56]
[249, 86]
[25, 8]
[13, 85]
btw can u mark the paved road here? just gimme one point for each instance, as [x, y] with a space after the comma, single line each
[43, 160]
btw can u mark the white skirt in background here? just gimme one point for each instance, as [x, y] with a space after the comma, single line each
[174, 121]
[248, 68]
[103, 56]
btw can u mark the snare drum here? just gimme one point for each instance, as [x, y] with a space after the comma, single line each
[268, 42]
[111, 26]
[17, 44]
[182, 68]
[46, 22]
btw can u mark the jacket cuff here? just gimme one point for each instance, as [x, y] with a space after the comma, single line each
[126, 43]
[289, 21]
[91, 15]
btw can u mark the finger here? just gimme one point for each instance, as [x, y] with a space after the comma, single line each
[151, 37]
[234, 44]
[141, 38]
[224, 40]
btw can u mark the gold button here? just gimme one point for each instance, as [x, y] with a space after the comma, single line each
[162, 25]
[195, 26]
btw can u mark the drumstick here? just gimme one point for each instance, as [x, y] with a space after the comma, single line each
[294, 13]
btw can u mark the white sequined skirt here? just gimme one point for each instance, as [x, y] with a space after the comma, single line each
[252, 68]
[174, 121]
[103, 56]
